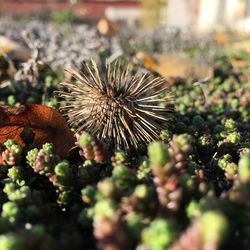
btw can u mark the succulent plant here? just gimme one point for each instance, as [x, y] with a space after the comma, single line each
[45, 160]
[206, 232]
[11, 242]
[159, 235]
[11, 211]
[91, 149]
[111, 233]
[244, 168]
[12, 154]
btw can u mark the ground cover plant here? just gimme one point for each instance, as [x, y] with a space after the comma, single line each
[167, 169]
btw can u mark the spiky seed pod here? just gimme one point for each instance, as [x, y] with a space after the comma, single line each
[118, 108]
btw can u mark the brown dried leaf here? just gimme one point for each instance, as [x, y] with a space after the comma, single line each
[18, 51]
[47, 124]
[174, 66]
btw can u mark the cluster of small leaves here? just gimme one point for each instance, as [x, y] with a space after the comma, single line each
[115, 205]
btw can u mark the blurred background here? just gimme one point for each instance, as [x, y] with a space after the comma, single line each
[171, 38]
[198, 15]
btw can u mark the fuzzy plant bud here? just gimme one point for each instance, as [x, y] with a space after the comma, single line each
[31, 156]
[144, 171]
[16, 193]
[9, 143]
[180, 147]
[11, 242]
[124, 177]
[192, 210]
[204, 141]
[159, 235]
[141, 191]
[107, 188]
[11, 211]
[215, 227]
[62, 169]
[15, 173]
[135, 225]
[119, 158]
[224, 161]
[46, 160]
[230, 125]
[184, 142]
[233, 137]
[111, 233]
[244, 168]
[165, 135]
[105, 208]
[92, 149]
[158, 154]
[231, 171]
[63, 175]
[88, 194]
[244, 151]
[12, 155]
[63, 198]
[85, 141]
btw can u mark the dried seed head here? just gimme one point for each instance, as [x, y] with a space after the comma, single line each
[118, 108]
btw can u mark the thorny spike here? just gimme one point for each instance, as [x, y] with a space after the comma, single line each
[118, 108]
